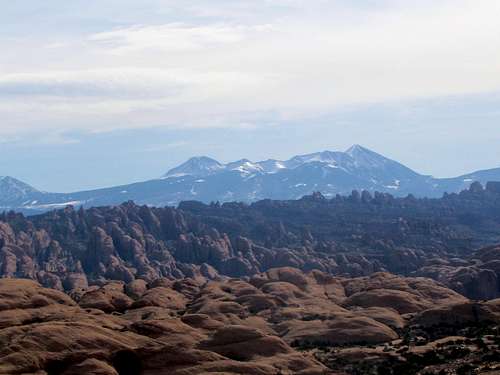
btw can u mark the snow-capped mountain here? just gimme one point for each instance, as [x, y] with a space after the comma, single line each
[357, 161]
[18, 195]
[205, 179]
[13, 191]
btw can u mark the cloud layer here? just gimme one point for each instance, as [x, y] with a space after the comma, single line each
[237, 63]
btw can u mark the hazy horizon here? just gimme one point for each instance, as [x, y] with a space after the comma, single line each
[128, 180]
[101, 93]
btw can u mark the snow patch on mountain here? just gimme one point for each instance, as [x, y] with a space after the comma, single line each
[244, 166]
[54, 205]
[356, 158]
[205, 179]
[12, 189]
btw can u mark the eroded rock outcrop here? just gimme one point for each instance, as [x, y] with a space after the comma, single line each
[352, 236]
[229, 325]
[43, 331]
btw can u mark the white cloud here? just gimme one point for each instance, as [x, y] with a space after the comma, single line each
[224, 66]
[174, 37]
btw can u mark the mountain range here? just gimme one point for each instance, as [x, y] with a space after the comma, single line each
[205, 179]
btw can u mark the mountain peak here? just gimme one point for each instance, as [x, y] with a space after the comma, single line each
[195, 166]
[205, 179]
[14, 182]
[366, 157]
[358, 149]
[12, 189]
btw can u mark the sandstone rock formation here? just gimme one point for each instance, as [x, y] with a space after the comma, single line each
[345, 236]
[313, 286]
[43, 331]
[226, 326]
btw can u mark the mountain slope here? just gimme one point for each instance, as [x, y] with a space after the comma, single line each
[199, 166]
[15, 192]
[205, 179]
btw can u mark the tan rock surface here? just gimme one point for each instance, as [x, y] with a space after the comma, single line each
[43, 331]
[223, 326]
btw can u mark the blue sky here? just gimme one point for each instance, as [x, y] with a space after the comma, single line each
[95, 93]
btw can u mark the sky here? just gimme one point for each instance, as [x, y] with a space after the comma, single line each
[96, 93]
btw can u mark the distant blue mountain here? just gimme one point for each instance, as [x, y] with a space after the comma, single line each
[206, 180]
